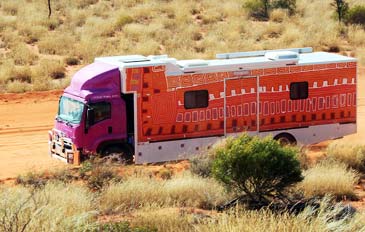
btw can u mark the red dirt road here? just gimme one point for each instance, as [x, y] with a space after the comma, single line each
[26, 118]
[24, 122]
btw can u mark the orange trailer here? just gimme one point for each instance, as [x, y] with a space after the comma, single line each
[183, 106]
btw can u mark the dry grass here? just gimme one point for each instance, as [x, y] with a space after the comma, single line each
[173, 219]
[163, 205]
[309, 220]
[56, 207]
[329, 177]
[184, 190]
[351, 154]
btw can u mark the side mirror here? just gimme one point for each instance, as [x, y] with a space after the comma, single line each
[90, 117]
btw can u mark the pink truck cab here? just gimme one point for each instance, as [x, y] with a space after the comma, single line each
[91, 115]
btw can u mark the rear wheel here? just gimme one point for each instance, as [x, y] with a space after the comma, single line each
[286, 139]
[122, 153]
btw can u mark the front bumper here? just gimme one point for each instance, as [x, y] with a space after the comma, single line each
[62, 148]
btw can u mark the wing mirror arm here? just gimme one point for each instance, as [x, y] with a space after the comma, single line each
[90, 117]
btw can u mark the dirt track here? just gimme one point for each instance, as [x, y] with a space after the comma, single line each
[26, 118]
[24, 122]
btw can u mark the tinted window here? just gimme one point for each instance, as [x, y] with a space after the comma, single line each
[102, 111]
[196, 99]
[298, 90]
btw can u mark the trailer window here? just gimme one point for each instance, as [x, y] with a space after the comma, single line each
[196, 99]
[102, 111]
[298, 90]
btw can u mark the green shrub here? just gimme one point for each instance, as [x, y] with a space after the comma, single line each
[356, 15]
[259, 168]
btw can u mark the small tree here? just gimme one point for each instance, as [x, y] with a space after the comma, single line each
[258, 168]
[356, 15]
[290, 5]
[258, 9]
[341, 7]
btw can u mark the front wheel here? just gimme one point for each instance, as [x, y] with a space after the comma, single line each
[285, 139]
[122, 153]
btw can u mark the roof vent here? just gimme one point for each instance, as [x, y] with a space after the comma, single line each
[282, 55]
[192, 63]
[132, 59]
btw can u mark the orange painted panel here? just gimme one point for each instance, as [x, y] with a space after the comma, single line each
[162, 116]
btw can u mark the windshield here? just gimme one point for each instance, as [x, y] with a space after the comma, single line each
[70, 110]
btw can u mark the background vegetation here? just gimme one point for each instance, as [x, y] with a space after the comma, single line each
[40, 53]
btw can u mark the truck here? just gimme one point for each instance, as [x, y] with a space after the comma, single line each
[157, 108]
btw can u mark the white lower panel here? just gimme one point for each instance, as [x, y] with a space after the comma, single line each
[182, 149]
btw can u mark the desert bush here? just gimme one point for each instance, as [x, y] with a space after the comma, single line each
[351, 154]
[258, 9]
[32, 33]
[289, 5]
[356, 15]
[72, 61]
[20, 74]
[53, 69]
[122, 21]
[202, 164]
[329, 177]
[278, 15]
[31, 179]
[185, 190]
[258, 168]
[100, 176]
[56, 45]
[51, 23]
[56, 207]
[165, 174]
[18, 87]
[22, 55]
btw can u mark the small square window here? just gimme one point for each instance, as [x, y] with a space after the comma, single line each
[196, 99]
[298, 90]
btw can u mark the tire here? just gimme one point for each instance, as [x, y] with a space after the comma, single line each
[286, 139]
[122, 153]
